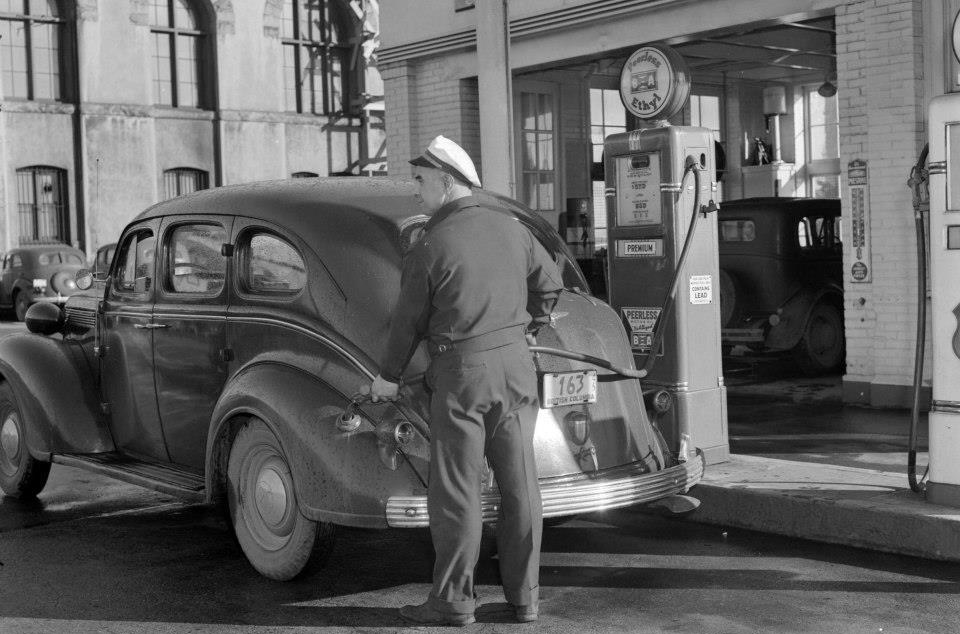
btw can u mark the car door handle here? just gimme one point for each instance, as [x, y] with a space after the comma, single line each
[149, 326]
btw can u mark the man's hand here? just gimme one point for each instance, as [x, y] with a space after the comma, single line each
[383, 390]
[531, 339]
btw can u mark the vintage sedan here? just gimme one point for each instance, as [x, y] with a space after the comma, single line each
[221, 359]
[38, 273]
[781, 279]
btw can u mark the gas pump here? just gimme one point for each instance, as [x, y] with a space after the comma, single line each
[663, 264]
[943, 486]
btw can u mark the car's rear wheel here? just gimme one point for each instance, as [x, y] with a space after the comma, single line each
[276, 538]
[21, 475]
[820, 348]
[20, 305]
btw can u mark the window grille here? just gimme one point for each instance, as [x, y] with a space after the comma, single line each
[316, 58]
[177, 52]
[30, 49]
[184, 180]
[42, 205]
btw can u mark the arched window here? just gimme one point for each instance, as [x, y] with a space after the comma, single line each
[179, 44]
[42, 204]
[316, 57]
[183, 180]
[31, 34]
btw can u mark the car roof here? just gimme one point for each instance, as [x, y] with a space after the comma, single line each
[283, 201]
[793, 206]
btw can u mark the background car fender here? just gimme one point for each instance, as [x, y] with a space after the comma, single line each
[338, 475]
[56, 394]
[794, 315]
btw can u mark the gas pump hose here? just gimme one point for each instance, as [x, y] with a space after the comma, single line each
[918, 178]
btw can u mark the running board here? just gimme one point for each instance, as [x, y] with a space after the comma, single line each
[165, 478]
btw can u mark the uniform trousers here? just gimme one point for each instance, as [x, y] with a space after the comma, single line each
[484, 403]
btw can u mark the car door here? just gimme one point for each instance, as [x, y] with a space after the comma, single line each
[189, 339]
[127, 361]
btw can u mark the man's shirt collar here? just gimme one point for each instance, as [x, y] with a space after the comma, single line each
[449, 209]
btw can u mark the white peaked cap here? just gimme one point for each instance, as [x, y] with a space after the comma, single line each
[443, 154]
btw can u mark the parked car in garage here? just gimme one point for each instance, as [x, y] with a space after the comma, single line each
[102, 259]
[221, 359]
[38, 273]
[781, 278]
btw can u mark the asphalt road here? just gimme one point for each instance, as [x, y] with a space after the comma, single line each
[97, 556]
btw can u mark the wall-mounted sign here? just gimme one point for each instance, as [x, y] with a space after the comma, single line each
[857, 180]
[701, 289]
[654, 82]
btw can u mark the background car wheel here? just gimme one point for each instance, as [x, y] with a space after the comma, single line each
[21, 476]
[728, 299]
[20, 306]
[820, 348]
[277, 540]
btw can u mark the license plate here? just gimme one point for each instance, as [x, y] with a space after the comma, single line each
[568, 388]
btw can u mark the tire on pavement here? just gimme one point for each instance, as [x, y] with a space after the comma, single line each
[21, 475]
[821, 347]
[277, 539]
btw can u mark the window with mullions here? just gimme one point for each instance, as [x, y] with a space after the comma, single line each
[42, 204]
[183, 180]
[537, 127]
[822, 141]
[607, 116]
[316, 58]
[30, 42]
[177, 50]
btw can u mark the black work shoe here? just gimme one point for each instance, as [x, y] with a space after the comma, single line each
[525, 613]
[427, 615]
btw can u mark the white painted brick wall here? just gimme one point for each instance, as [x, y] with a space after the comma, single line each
[880, 68]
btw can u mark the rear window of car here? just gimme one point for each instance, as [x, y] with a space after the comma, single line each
[737, 231]
[271, 265]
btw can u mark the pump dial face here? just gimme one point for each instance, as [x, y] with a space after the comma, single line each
[956, 36]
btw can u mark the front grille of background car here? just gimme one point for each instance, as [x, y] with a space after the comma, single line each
[81, 317]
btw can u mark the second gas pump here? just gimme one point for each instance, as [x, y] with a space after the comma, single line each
[662, 267]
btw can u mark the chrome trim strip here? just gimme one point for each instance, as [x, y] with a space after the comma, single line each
[937, 167]
[947, 407]
[305, 331]
[610, 489]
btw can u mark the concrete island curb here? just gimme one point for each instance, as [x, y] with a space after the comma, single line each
[839, 505]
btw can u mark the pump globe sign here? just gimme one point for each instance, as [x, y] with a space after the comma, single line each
[654, 82]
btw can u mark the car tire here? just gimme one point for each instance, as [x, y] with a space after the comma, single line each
[277, 539]
[20, 306]
[21, 475]
[821, 347]
[728, 298]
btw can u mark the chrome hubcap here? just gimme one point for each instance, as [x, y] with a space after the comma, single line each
[271, 495]
[10, 439]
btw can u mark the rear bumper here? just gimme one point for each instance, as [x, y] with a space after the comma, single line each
[570, 495]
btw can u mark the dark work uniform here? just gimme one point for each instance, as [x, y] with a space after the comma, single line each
[472, 286]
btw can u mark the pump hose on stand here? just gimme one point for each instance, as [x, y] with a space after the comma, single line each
[918, 184]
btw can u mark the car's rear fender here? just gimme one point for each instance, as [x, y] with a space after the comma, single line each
[54, 386]
[338, 475]
[794, 314]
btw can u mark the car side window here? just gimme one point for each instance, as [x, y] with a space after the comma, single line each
[16, 262]
[270, 264]
[135, 266]
[195, 263]
[737, 231]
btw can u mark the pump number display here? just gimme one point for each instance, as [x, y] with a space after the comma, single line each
[568, 388]
[638, 190]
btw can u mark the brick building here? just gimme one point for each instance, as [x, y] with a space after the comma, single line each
[853, 77]
[108, 106]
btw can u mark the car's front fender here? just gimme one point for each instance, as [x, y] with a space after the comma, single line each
[53, 381]
[338, 475]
